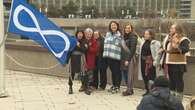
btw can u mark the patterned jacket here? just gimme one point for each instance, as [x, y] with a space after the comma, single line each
[112, 45]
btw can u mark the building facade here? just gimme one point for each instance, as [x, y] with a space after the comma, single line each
[187, 9]
[184, 8]
[139, 5]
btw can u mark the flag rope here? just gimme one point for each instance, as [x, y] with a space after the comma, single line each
[30, 67]
[3, 40]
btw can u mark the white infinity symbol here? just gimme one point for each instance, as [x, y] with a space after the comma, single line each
[18, 9]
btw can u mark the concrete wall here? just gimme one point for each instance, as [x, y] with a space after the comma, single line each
[31, 54]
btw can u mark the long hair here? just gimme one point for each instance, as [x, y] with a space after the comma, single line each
[129, 24]
[152, 33]
[118, 28]
[179, 30]
[78, 31]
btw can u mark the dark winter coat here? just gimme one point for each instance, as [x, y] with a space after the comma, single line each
[76, 55]
[131, 43]
[100, 43]
[160, 99]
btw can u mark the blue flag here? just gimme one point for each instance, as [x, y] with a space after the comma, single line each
[29, 22]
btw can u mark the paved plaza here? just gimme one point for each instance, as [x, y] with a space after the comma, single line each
[29, 91]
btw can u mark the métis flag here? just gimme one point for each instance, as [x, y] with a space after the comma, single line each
[27, 21]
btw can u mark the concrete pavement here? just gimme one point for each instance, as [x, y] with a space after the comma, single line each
[28, 91]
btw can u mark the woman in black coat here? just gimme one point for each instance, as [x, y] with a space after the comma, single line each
[77, 58]
[128, 63]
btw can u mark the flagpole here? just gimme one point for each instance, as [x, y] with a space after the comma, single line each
[2, 49]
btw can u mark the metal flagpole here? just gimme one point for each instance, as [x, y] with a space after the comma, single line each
[2, 49]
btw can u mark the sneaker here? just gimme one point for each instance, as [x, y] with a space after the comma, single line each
[115, 90]
[111, 88]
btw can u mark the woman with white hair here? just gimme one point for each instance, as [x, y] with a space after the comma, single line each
[90, 60]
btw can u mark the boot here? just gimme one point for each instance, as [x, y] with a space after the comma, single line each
[87, 91]
[70, 90]
[70, 83]
[82, 88]
[86, 84]
[127, 93]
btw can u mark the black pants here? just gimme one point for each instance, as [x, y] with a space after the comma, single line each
[176, 79]
[114, 66]
[71, 78]
[100, 73]
[149, 76]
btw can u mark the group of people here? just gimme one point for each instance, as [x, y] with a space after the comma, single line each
[128, 54]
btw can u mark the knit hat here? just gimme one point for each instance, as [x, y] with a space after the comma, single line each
[161, 81]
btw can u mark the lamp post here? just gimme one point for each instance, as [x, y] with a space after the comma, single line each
[122, 12]
[92, 13]
[2, 51]
[128, 13]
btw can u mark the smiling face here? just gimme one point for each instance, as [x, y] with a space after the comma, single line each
[88, 35]
[114, 27]
[79, 35]
[128, 29]
[147, 35]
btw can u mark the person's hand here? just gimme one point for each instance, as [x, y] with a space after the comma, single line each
[126, 63]
[161, 50]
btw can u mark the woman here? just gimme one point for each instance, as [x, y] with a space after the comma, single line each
[175, 47]
[128, 63]
[90, 60]
[77, 58]
[148, 59]
[100, 64]
[112, 53]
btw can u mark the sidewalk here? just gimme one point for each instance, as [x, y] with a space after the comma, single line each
[29, 91]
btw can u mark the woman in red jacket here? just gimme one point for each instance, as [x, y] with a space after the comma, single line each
[90, 59]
